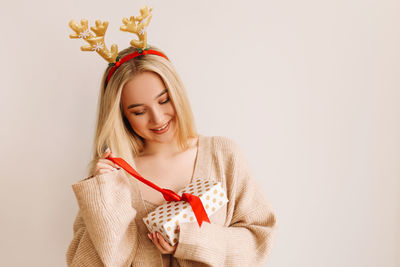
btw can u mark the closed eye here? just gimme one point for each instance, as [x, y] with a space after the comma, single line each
[165, 101]
[138, 113]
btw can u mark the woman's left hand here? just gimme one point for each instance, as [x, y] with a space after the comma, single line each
[163, 246]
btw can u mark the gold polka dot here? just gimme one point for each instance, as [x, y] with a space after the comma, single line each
[161, 212]
[169, 220]
[175, 240]
[184, 215]
[220, 203]
[154, 224]
[161, 216]
[147, 221]
[215, 191]
[222, 194]
[168, 228]
[169, 206]
[185, 207]
[176, 208]
[200, 195]
[176, 231]
[177, 222]
[214, 200]
[191, 218]
[207, 197]
[161, 221]
[176, 213]
[207, 206]
[213, 209]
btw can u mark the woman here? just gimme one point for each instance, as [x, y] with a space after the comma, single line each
[145, 118]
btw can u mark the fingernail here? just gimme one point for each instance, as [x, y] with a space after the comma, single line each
[149, 236]
[107, 150]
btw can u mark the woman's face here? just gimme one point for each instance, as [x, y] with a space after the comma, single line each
[147, 106]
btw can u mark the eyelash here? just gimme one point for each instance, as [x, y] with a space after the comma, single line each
[161, 103]
[165, 101]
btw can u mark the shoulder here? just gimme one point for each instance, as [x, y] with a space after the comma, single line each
[229, 164]
[222, 146]
[224, 143]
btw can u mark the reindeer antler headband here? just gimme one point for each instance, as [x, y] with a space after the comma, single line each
[135, 25]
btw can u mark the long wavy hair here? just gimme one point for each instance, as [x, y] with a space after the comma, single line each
[113, 129]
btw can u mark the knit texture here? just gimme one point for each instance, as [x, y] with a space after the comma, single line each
[109, 231]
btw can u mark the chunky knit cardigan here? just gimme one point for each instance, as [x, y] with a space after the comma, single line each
[109, 231]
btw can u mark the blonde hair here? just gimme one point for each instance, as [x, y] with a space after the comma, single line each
[113, 129]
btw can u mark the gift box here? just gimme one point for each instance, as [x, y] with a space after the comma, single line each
[166, 218]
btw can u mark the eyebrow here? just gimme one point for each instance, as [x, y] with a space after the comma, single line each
[160, 94]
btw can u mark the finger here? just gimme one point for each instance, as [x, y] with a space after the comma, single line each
[106, 170]
[102, 171]
[106, 153]
[107, 162]
[164, 244]
[115, 165]
[103, 164]
[157, 244]
[103, 168]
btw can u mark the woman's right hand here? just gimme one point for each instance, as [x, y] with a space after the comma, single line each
[104, 165]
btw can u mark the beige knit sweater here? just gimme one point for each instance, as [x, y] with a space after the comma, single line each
[109, 231]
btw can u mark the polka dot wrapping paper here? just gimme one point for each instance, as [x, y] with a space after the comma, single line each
[166, 218]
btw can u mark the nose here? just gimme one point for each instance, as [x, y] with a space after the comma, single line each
[157, 116]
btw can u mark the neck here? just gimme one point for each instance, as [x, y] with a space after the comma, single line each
[161, 149]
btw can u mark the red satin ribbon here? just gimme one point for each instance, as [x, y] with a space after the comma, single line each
[169, 195]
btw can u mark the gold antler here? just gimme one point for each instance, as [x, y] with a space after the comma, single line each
[96, 43]
[138, 26]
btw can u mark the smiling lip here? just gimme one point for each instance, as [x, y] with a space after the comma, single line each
[165, 129]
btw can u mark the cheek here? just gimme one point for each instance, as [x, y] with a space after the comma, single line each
[170, 109]
[137, 123]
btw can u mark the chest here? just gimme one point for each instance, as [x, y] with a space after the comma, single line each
[172, 173]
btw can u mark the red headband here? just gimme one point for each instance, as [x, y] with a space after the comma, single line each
[137, 53]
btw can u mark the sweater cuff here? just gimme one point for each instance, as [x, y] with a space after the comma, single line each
[90, 192]
[192, 240]
[87, 192]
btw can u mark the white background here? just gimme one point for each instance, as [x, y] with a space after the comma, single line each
[309, 89]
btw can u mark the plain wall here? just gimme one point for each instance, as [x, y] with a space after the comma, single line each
[309, 89]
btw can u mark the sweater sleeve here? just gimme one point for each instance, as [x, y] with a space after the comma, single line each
[246, 237]
[104, 229]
